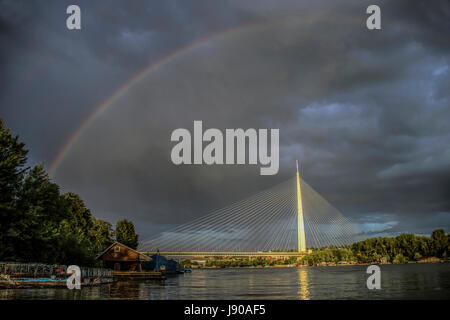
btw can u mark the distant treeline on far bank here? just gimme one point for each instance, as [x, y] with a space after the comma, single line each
[401, 249]
[38, 223]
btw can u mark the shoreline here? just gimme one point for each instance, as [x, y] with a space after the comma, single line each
[326, 265]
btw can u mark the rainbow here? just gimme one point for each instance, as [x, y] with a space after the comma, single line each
[102, 108]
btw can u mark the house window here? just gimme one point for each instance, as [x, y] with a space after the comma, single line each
[116, 249]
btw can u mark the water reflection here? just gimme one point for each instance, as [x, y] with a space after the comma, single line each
[303, 287]
[412, 281]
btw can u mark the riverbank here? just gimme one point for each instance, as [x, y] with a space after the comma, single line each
[325, 264]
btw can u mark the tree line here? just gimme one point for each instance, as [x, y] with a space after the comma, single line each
[38, 223]
[246, 262]
[400, 249]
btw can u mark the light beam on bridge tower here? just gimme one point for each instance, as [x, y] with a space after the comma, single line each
[300, 224]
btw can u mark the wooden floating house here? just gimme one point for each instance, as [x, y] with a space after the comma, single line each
[119, 257]
[128, 263]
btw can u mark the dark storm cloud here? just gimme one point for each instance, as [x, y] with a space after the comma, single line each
[55, 77]
[366, 112]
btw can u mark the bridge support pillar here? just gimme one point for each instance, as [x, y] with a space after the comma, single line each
[300, 223]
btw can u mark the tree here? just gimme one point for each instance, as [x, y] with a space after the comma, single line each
[447, 251]
[12, 170]
[400, 259]
[102, 234]
[40, 210]
[125, 233]
[78, 219]
[12, 162]
[77, 242]
[439, 242]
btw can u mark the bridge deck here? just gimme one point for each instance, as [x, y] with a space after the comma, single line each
[227, 254]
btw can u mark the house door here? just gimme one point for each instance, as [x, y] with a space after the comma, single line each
[116, 266]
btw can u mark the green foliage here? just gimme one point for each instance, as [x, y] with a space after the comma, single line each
[73, 250]
[37, 222]
[233, 263]
[186, 262]
[12, 170]
[440, 243]
[329, 255]
[79, 220]
[401, 249]
[125, 233]
[102, 234]
[40, 210]
[12, 162]
[400, 259]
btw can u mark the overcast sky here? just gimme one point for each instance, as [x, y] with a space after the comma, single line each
[366, 112]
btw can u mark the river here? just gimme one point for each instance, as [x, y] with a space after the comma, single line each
[411, 281]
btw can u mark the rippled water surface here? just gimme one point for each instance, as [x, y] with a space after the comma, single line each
[413, 281]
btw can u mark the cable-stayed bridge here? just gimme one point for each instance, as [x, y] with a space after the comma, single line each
[283, 220]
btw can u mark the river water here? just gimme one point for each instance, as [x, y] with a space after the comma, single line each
[412, 281]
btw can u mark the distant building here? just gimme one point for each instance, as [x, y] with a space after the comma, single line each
[119, 257]
[383, 260]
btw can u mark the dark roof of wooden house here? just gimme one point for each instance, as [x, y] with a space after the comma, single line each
[123, 253]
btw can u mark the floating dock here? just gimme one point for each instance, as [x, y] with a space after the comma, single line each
[38, 275]
[20, 283]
